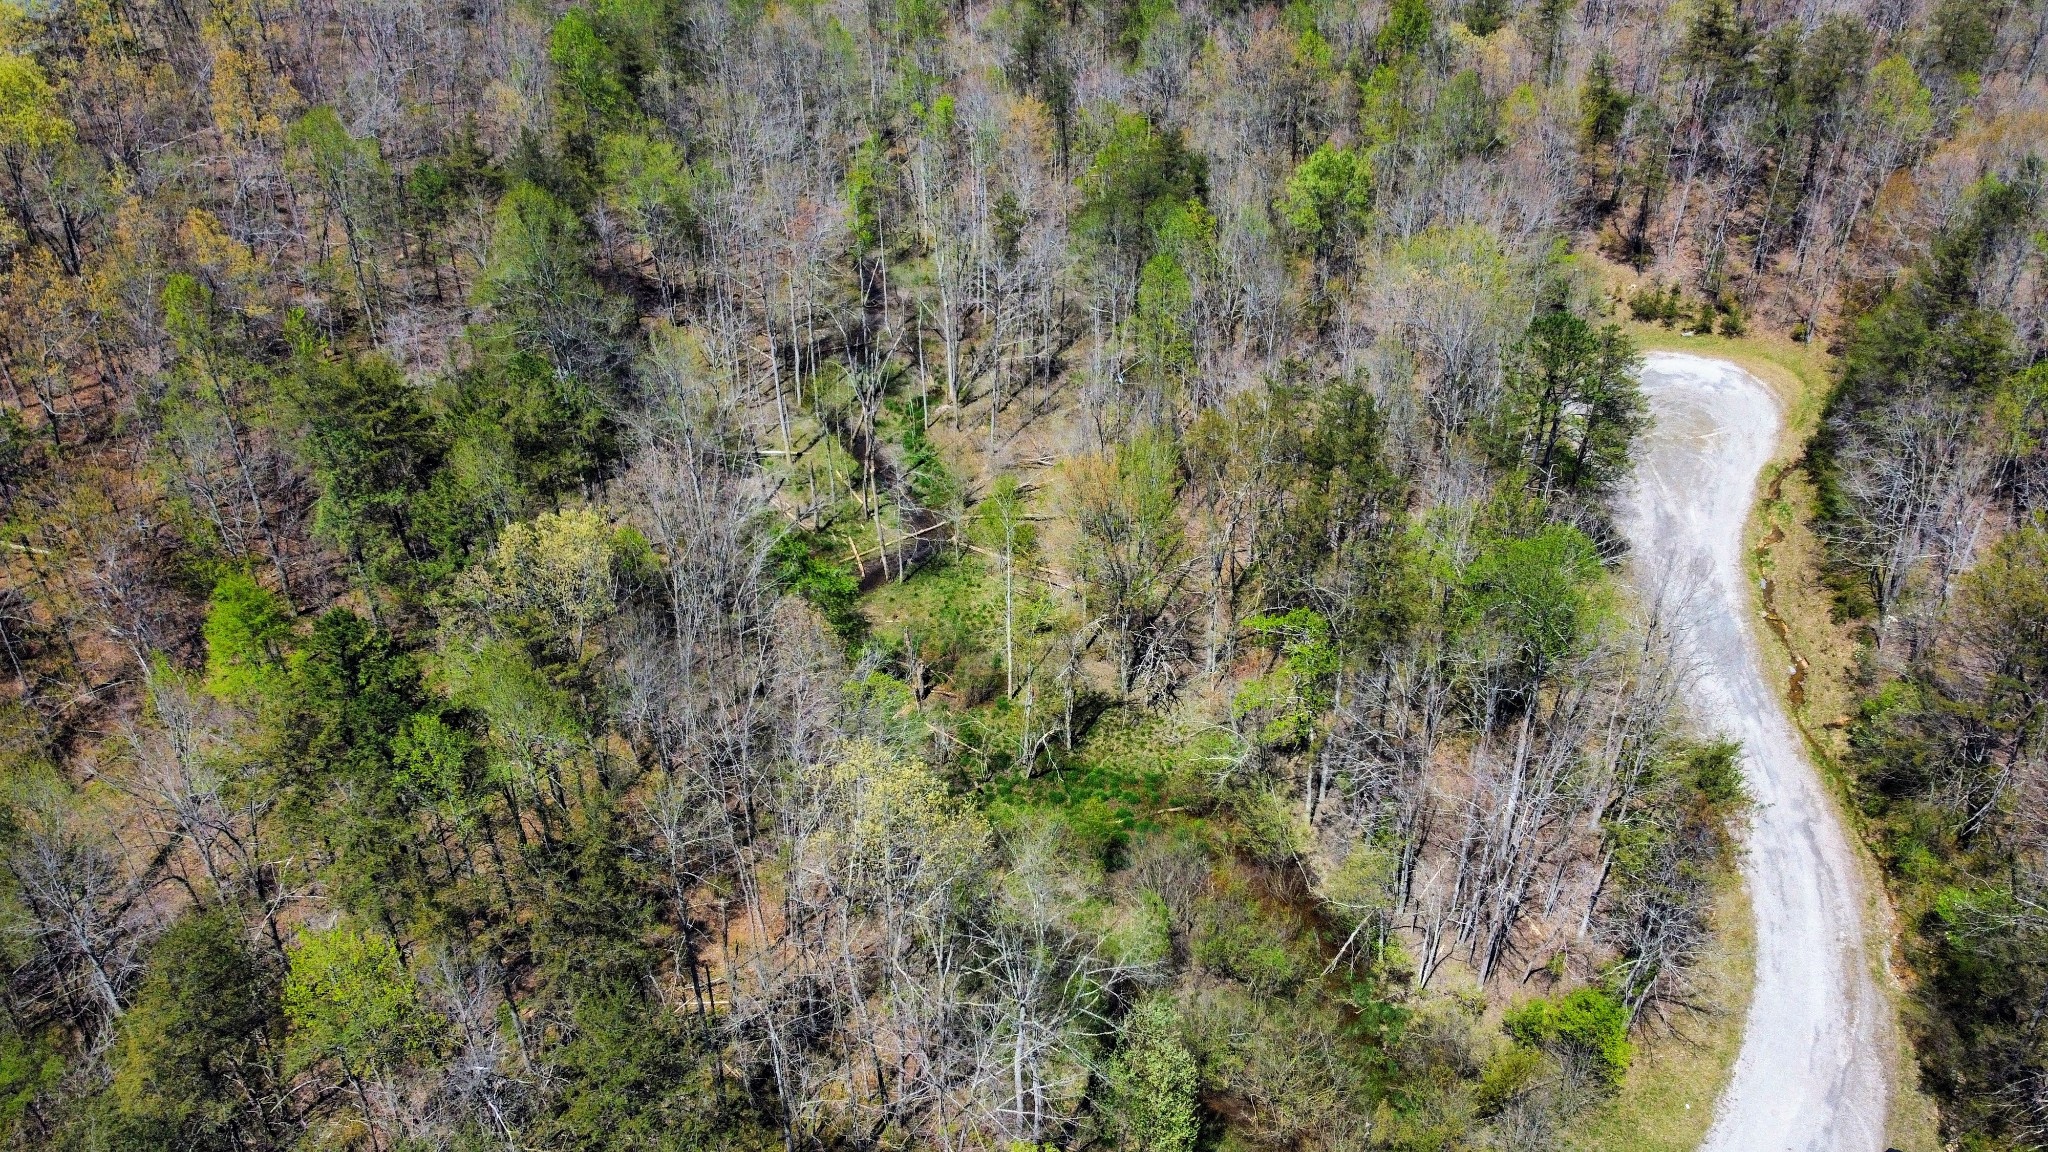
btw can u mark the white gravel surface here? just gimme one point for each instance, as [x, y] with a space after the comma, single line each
[1813, 1067]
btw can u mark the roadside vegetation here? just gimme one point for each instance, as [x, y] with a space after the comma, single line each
[1922, 479]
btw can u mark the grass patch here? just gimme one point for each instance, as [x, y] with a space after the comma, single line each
[1131, 772]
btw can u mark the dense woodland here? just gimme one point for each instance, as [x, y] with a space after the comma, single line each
[720, 574]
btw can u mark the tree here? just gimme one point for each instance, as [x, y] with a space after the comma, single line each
[348, 1003]
[197, 1062]
[1008, 529]
[538, 278]
[1603, 112]
[591, 74]
[1153, 1081]
[33, 130]
[1139, 177]
[1329, 197]
[553, 577]
[1541, 592]
[1132, 555]
[373, 449]
[1410, 26]
[354, 182]
[1574, 405]
[649, 181]
[247, 627]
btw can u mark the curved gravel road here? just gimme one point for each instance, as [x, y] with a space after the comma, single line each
[1814, 1062]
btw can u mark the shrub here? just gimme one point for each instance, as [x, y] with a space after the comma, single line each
[1647, 304]
[1153, 1082]
[1587, 1025]
[830, 587]
[1732, 321]
[1508, 1077]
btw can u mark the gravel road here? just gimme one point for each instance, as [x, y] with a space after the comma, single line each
[1813, 1069]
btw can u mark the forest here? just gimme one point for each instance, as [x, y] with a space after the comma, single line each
[988, 574]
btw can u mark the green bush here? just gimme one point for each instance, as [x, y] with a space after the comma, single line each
[1587, 1024]
[1716, 771]
[829, 586]
[1733, 323]
[1653, 304]
[1153, 1081]
[1508, 1077]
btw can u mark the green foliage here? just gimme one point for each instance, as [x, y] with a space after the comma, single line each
[1132, 543]
[1139, 21]
[348, 1000]
[1466, 120]
[538, 278]
[803, 565]
[247, 629]
[591, 77]
[197, 1047]
[439, 184]
[1715, 771]
[867, 185]
[634, 1076]
[1290, 1073]
[1485, 17]
[1986, 973]
[1651, 302]
[1111, 789]
[1574, 405]
[1139, 180]
[1899, 101]
[412, 483]
[434, 756]
[1508, 1077]
[17, 448]
[1329, 196]
[1586, 1024]
[1153, 1081]
[950, 616]
[1298, 690]
[1332, 539]
[1409, 28]
[357, 689]
[930, 480]
[1002, 520]
[351, 169]
[1929, 335]
[1962, 37]
[549, 580]
[1669, 841]
[666, 862]
[30, 115]
[525, 430]
[1603, 108]
[1543, 593]
[373, 449]
[1164, 323]
[340, 779]
[652, 185]
[1927, 339]
[1232, 938]
[1733, 322]
[1390, 113]
[30, 1067]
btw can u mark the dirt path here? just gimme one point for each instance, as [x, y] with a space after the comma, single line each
[1813, 1067]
